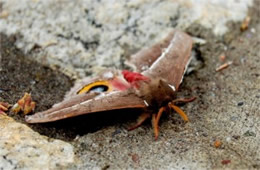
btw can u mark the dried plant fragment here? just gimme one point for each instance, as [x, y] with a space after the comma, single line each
[4, 107]
[245, 23]
[225, 162]
[223, 66]
[4, 14]
[217, 143]
[25, 104]
[222, 57]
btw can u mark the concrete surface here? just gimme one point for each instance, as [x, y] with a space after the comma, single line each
[79, 38]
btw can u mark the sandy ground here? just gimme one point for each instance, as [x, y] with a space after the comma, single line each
[226, 109]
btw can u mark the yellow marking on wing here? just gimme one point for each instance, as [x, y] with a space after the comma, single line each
[87, 87]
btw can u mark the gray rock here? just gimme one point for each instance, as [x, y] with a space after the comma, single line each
[22, 148]
[80, 37]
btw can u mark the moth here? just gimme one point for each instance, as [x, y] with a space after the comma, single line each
[152, 86]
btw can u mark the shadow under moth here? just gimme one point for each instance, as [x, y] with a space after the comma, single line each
[152, 87]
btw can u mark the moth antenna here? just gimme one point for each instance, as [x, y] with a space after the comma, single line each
[184, 100]
[179, 111]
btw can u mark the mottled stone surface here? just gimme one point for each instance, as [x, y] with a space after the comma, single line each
[83, 35]
[80, 37]
[22, 148]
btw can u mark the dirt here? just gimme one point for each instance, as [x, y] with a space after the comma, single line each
[20, 74]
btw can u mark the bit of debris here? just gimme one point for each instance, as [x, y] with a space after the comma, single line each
[225, 162]
[199, 41]
[217, 143]
[4, 14]
[252, 30]
[240, 103]
[105, 167]
[249, 133]
[223, 66]
[135, 158]
[4, 107]
[25, 104]
[222, 57]
[236, 137]
[245, 23]
[49, 43]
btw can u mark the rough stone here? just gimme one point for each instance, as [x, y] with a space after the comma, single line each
[80, 37]
[22, 148]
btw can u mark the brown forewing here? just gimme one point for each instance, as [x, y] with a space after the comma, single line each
[171, 64]
[79, 105]
[143, 59]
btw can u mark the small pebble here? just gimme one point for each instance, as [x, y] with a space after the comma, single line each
[236, 137]
[240, 103]
[249, 133]
[217, 143]
[225, 162]
[228, 139]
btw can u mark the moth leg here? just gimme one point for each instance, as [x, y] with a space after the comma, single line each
[184, 100]
[140, 120]
[155, 126]
[159, 114]
[179, 111]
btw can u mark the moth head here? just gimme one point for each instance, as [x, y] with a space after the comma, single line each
[156, 93]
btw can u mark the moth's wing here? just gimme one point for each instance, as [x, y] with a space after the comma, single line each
[173, 61]
[77, 86]
[84, 104]
[143, 59]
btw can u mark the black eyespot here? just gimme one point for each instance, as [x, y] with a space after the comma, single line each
[98, 88]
